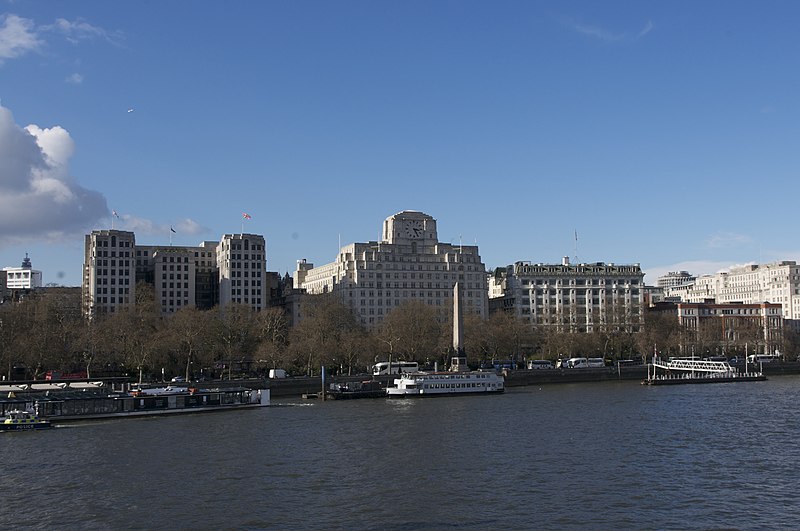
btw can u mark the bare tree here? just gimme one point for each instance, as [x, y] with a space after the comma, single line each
[412, 330]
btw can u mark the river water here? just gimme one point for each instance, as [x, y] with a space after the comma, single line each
[571, 456]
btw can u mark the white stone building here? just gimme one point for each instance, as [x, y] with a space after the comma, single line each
[674, 279]
[242, 263]
[408, 264]
[233, 270]
[24, 277]
[109, 271]
[572, 298]
[777, 282]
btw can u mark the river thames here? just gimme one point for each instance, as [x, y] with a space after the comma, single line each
[572, 456]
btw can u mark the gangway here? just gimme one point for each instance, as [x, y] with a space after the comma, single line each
[689, 370]
[693, 365]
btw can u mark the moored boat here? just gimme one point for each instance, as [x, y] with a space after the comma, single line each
[446, 383]
[365, 389]
[17, 420]
[100, 402]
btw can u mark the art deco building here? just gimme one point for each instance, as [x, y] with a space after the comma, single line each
[211, 273]
[109, 271]
[242, 263]
[572, 298]
[408, 264]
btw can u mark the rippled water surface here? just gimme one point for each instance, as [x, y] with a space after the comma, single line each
[599, 456]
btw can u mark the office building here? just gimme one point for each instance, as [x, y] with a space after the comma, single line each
[231, 270]
[408, 264]
[109, 271]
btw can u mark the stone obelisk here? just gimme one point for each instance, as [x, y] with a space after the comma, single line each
[459, 361]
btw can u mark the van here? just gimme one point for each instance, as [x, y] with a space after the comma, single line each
[578, 363]
[277, 373]
[540, 364]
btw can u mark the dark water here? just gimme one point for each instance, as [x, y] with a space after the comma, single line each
[598, 456]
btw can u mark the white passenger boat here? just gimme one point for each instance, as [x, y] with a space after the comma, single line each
[446, 383]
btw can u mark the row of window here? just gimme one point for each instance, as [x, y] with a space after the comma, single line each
[580, 282]
[122, 272]
[172, 294]
[246, 283]
[112, 254]
[104, 242]
[104, 291]
[256, 274]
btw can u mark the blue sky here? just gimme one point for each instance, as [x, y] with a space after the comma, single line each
[661, 133]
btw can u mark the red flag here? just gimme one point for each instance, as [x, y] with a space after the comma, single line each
[245, 215]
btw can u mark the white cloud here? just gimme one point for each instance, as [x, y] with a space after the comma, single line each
[17, 37]
[727, 239]
[74, 79]
[190, 226]
[605, 35]
[597, 32]
[80, 30]
[39, 199]
[151, 228]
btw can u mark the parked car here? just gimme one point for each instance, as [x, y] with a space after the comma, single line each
[178, 379]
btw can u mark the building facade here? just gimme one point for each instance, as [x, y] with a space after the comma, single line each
[581, 298]
[758, 326]
[242, 263]
[777, 282]
[408, 264]
[231, 270]
[674, 279]
[23, 278]
[109, 271]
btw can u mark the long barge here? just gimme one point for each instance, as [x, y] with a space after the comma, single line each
[68, 404]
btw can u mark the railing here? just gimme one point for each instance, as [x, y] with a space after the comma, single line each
[694, 365]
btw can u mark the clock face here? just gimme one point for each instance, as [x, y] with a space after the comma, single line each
[412, 229]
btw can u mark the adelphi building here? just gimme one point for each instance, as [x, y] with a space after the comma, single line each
[408, 264]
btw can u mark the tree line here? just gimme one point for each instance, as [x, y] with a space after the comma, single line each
[41, 334]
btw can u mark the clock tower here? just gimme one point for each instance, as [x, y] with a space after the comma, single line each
[409, 226]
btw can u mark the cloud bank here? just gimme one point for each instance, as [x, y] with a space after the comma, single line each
[39, 199]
